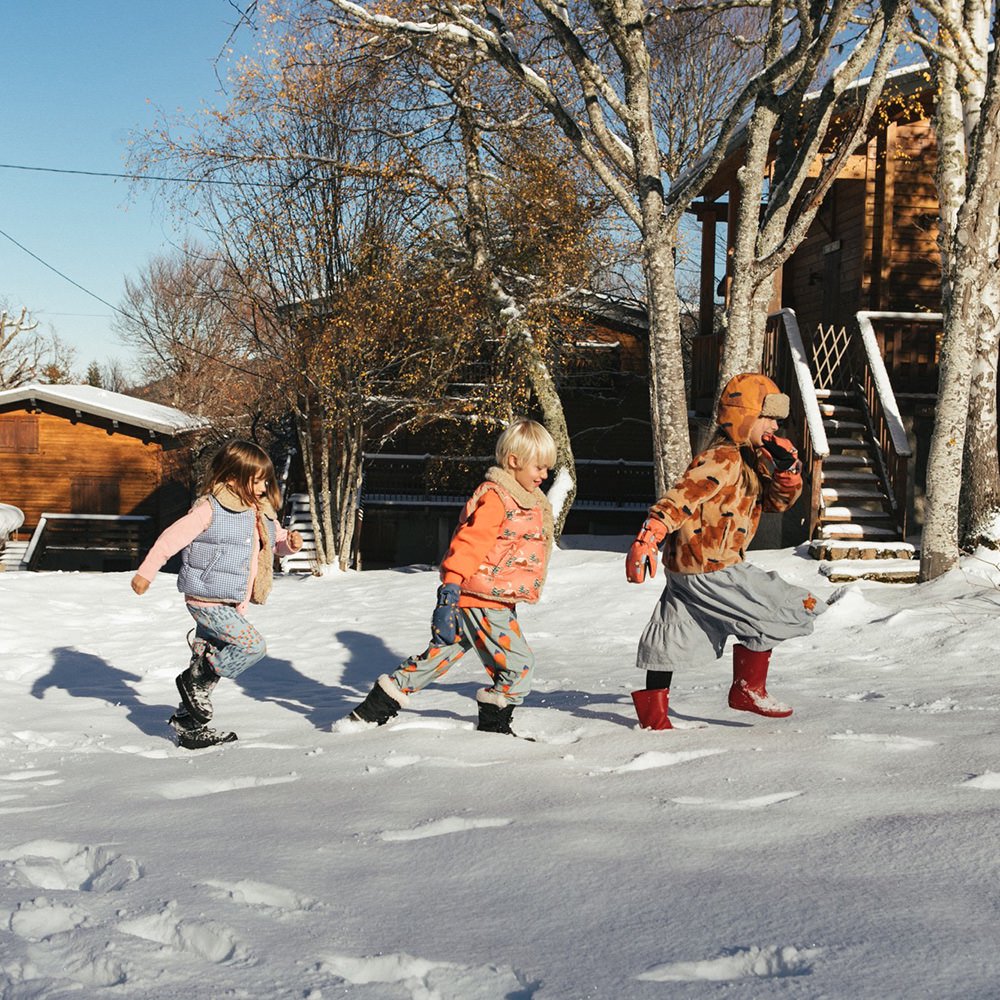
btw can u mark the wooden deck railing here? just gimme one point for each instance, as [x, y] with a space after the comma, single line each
[880, 402]
[847, 360]
[787, 363]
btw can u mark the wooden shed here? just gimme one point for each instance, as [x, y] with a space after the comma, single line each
[101, 456]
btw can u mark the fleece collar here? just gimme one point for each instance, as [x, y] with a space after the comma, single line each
[528, 499]
[231, 501]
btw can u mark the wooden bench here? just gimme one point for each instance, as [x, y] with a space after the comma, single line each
[95, 542]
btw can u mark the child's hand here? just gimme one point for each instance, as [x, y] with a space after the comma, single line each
[444, 621]
[781, 454]
[140, 584]
[642, 555]
[293, 541]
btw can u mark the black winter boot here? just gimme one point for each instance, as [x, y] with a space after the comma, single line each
[192, 736]
[493, 719]
[195, 685]
[380, 705]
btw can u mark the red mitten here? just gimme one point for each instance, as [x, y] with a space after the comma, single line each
[780, 455]
[644, 550]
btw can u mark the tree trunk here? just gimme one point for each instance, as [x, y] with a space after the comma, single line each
[667, 396]
[968, 179]
[744, 343]
[554, 418]
[508, 311]
[980, 504]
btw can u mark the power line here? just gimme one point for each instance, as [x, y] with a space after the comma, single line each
[135, 177]
[56, 270]
[121, 312]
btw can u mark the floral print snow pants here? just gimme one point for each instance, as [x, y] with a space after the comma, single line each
[496, 637]
[233, 643]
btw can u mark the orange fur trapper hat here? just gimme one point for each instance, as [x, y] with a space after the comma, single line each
[745, 398]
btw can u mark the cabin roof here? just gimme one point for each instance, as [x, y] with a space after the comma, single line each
[111, 405]
[900, 81]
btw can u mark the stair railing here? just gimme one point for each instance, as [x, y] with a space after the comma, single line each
[787, 363]
[883, 414]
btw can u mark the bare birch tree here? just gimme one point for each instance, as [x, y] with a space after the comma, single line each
[591, 69]
[967, 126]
[800, 133]
[22, 351]
[182, 314]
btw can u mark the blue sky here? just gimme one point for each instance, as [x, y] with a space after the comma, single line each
[79, 79]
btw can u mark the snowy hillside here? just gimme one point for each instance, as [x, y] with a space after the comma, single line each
[847, 852]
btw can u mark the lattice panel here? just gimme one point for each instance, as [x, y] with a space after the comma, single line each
[831, 359]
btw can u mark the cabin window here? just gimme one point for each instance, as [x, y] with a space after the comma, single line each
[19, 435]
[94, 495]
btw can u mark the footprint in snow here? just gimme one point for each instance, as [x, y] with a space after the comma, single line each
[758, 802]
[657, 758]
[988, 781]
[929, 707]
[348, 726]
[10, 810]
[32, 776]
[192, 789]
[863, 696]
[64, 962]
[203, 938]
[35, 919]
[889, 741]
[423, 979]
[251, 893]
[765, 963]
[57, 864]
[396, 761]
[442, 827]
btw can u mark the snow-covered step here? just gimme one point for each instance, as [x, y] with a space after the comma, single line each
[835, 549]
[847, 463]
[849, 427]
[842, 476]
[840, 412]
[847, 442]
[832, 495]
[851, 514]
[883, 570]
[12, 556]
[854, 530]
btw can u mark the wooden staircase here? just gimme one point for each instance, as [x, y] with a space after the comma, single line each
[854, 449]
[853, 504]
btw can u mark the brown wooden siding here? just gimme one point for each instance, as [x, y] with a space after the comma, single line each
[823, 278]
[85, 465]
[915, 277]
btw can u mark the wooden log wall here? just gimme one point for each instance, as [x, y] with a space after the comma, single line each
[86, 465]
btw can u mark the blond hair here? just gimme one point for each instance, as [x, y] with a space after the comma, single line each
[529, 441]
[237, 464]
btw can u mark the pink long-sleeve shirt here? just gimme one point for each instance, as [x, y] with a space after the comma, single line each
[184, 531]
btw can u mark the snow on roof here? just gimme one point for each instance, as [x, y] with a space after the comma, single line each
[112, 405]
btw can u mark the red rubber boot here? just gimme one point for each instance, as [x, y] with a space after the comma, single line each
[748, 693]
[651, 708]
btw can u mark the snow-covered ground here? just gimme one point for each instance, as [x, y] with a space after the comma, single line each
[850, 851]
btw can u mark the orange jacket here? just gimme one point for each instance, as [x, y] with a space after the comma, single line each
[500, 550]
[710, 517]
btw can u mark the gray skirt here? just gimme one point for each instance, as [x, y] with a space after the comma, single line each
[698, 612]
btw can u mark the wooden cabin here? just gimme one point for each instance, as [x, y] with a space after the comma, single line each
[111, 469]
[863, 294]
